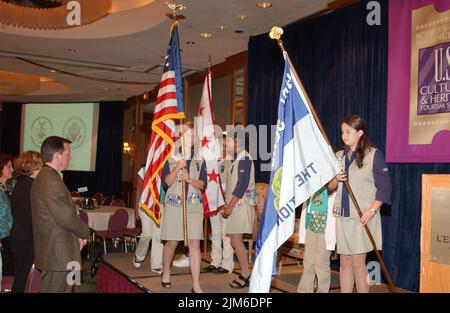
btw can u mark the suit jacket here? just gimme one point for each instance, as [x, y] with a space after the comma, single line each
[22, 229]
[56, 224]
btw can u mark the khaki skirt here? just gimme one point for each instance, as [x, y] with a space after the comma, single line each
[352, 238]
[241, 220]
[172, 222]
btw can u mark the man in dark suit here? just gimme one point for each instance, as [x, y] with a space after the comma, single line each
[57, 229]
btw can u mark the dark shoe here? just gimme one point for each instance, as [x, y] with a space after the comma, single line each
[238, 285]
[221, 270]
[166, 284]
[210, 269]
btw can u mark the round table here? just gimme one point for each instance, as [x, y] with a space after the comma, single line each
[99, 217]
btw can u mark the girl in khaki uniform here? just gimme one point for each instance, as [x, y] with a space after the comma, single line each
[368, 176]
[172, 221]
[241, 199]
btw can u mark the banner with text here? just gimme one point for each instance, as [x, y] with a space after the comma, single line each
[418, 119]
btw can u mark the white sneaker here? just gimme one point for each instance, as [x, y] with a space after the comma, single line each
[181, 262]
[137, 263]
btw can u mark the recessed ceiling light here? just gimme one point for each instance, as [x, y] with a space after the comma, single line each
[206, 35]
[72, 50]
[238, 31]
[222, 27]
[46, 79]
[53, 71]
[242, 16]
[264, 4]
[190, 43]
[105, 89]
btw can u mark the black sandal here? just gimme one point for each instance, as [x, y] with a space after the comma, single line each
[165, 284]
[237, 285]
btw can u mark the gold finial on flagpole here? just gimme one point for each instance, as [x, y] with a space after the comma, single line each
[173, 16]
[275, 33]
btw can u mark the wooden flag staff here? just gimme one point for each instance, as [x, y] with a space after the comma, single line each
[275, 34]
[175, 18]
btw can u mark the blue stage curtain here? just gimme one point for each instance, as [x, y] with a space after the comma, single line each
[107, 177]
[10, 125]
[342, 62]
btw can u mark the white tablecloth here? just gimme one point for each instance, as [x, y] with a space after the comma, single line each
[99, 217]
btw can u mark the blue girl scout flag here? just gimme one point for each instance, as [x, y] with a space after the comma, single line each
[302, 163]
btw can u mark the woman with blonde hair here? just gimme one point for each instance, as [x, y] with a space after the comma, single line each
[193, 172]
[27, 166]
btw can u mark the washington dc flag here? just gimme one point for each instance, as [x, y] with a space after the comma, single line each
[302, 162]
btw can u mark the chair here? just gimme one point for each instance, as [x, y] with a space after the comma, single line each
[75, 194]
[133, 233]
[116, 228]
[84, 217]
[261, 191]
[107, 200]
[291, 248]
[98, 196]
[78, 202]
[118, 202]
[33, 284]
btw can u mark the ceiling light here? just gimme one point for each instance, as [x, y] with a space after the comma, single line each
[46, 79]
[15, 83]
[53, 71]
[72, 50]
[206, 35]
[242, 17]
[264, 4]
[222, 27]
[190, 43]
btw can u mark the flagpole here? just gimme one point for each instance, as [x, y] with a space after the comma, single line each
[175, 18]
[276, 33]
[183, 187]
[205, 224]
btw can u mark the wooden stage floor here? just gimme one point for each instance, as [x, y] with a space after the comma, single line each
[210, 282]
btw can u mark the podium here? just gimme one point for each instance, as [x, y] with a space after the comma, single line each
[435, 234]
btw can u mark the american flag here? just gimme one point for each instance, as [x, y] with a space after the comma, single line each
[169, 106]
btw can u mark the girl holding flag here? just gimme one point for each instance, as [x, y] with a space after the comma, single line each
[193, 172]
[368, 176]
